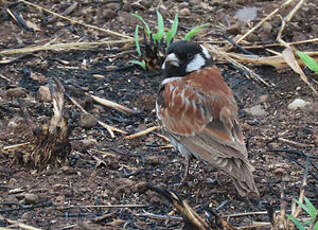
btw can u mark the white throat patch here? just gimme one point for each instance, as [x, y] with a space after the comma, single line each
[197, 62]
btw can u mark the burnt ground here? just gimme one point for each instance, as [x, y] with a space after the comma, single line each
[64, 198]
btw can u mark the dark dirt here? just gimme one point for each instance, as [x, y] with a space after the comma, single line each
[63, 198]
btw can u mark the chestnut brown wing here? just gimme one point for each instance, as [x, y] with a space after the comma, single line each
[201, 104]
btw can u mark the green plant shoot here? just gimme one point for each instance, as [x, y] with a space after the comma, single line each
[146, 27]
[173, 31]
[160, 27]
[194, 31]
[137, 41]
[309, 61]
[142, 63]
[310, 210]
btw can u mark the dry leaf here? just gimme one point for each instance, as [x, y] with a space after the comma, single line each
[290, 59]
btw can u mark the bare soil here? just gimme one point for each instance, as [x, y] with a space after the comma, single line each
[68, 197]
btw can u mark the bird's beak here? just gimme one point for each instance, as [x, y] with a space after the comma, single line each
[171, 59]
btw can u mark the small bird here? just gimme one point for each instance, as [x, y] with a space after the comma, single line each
[199, 114]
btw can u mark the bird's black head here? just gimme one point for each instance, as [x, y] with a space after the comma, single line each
[184, 57]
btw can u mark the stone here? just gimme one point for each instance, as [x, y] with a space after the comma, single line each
[298, 103]
[185, 12]
[267, 28]
[109, 14]
[256, 110]
[87, 121]
[16, 92]
[234, 29]
[44, 94]
[30, 198]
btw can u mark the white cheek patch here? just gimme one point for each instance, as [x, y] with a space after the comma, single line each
[197, 62]
[172, 59]
[205, 52]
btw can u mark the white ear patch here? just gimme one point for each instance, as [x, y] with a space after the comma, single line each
[205, 52]
[197, 62]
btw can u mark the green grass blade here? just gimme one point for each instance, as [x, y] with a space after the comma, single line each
[194, 31]
[155, 38]
[296, 222]
[160, 26]
[147, 29]
[303, 206]
[309, 61]
[316, 226]
[173, 31]
[140, 63]
[312, 210]
[137, 41]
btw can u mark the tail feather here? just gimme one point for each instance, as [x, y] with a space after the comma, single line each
[244, 181]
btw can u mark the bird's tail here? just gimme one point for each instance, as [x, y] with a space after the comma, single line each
[245, 184]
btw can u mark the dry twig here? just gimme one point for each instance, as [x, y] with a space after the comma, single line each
[141, 133]
[108, 206]
[112, 105]
[77, 22]
[63, 47]
[264, 20]
[276, 61]
[250, 74]
[192, 219]
[18, 224]
[109, 128]
[10, 147]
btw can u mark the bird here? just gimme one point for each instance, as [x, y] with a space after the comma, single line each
[199, 115]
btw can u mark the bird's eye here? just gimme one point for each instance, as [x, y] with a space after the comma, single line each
[190, 56]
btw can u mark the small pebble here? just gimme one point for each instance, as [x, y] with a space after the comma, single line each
[235, 28]
[30, 198]
[298, 104]
[16, 92]
[267, 28]
[44, 94]
[256, 110]
[185, 12]
[109, 14]
[87, 121]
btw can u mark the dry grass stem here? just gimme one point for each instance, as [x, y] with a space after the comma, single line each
[166, 146]
[108, 206]
[251, 74]
[287, 19]
[276, 61]
[288, 53]
[264, 20]
[265, 225]
[4, 78]
[77, 22]
[109, 128]
[159, 217]
[18, 224]
[63, 47]
[142, 133]
[262, 46]
[163, 137]
[245, 214]
[10, 147]
[295, 143]
[112, 105]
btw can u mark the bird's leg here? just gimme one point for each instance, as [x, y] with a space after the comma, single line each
[186, 170]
